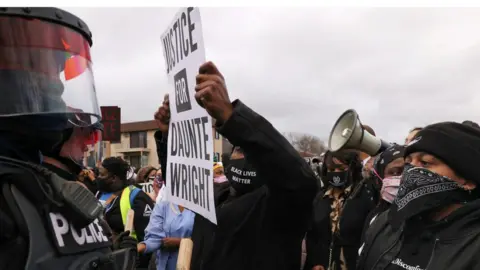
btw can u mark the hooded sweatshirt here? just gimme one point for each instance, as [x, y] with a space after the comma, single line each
[262, 229]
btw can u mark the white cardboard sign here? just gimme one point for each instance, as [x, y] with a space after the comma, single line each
[190, 141]
[147, 187]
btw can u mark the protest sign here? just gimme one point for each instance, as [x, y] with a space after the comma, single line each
[111, 116]
[190, 141]
[147, 187]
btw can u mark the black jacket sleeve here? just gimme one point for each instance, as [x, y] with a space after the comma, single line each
[143, 206]
[161, 141]
[291, 182]
[317, 251]
[318, 235]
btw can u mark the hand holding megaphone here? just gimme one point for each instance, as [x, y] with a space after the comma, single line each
[348, 133]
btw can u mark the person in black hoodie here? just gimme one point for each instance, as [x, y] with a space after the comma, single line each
[261, 223]
[433, 222]
[339, 214]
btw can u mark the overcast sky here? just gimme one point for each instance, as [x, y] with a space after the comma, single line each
[302, 67]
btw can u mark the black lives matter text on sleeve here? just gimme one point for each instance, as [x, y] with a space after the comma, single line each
[179, 43]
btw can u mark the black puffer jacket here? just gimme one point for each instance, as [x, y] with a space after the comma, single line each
[381, 207]
[457, 242]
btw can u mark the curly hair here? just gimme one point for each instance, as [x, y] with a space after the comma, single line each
[117, 167]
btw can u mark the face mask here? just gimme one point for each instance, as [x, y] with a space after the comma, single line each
[337, 179]
[102, 184]
[220, 179]
[422, 190]
[106, 185]
[242, 176]
[389, 188]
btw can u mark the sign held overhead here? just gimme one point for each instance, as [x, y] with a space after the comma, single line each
[190, 141]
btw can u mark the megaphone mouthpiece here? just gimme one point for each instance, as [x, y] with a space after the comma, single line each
[346, 133]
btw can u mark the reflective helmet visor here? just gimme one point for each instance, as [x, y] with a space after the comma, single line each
[45, 68]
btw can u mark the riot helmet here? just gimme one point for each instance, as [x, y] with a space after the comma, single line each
[45, 71]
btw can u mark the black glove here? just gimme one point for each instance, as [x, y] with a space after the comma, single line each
[124, 241]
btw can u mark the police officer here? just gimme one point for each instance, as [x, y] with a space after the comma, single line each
[66, 159]
[45, 71]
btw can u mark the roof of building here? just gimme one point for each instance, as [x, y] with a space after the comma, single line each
[139, 126]
[142, 126]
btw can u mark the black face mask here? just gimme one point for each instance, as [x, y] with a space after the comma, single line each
[242, 176]
[104, 185]
[422, 191]
[338, 179]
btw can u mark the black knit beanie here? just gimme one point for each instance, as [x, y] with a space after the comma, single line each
[458, 145]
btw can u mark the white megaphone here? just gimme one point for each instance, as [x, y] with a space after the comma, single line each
[348, 133]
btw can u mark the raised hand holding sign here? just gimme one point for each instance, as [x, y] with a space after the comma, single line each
[162, 116]
[211, 93]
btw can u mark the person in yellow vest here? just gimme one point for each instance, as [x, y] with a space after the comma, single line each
[118, 197]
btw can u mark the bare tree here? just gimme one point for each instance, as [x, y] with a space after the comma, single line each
[291, 137]
[305, 142]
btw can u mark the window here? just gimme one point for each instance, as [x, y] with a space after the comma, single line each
[144, 160]
[216, 157]
[217, 135]
[138, 139]
[135, 161]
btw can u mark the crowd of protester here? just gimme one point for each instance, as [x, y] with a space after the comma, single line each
[413, 206]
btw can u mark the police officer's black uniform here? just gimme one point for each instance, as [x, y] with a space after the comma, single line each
[45, 71]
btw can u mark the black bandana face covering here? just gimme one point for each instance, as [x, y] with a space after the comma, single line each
[338, 179]
[242, 176]
[421, 190]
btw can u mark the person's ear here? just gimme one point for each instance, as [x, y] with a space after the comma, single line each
[469, 185]
[465, 184]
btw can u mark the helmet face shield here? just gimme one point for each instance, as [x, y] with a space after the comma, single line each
[82, 140]
[45, 68]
